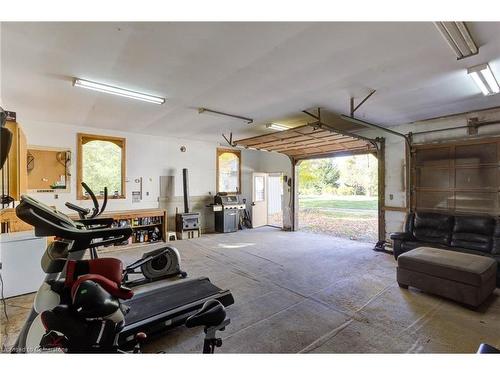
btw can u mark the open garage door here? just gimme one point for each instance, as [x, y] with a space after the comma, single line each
[319, 140]
[311, 140]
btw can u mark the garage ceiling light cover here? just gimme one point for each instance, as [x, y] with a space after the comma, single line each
[458, 38]
[484, 79]
[275, 126]
[95, 86]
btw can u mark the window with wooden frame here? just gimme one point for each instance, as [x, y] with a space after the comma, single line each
[228, 171]
[457, 176]
[100, 164]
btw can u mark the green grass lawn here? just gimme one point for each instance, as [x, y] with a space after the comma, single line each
[354, 215]
[349, 202]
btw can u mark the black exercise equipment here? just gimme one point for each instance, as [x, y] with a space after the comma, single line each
[161, 307]
[212, 316]
[161, 263]
[6, 138]
[5, 144]
[87, 213]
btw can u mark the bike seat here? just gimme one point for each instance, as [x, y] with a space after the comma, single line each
[113, 288]
[211, 314]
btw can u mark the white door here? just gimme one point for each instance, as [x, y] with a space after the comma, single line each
[259, 199]
[275, 199]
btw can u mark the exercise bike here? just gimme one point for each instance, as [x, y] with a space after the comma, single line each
[161, 263]
[95, 312]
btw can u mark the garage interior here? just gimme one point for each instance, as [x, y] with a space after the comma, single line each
[202, 170]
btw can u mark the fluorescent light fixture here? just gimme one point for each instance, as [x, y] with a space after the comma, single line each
[458, 38]
[78, 82]
[484, 79]
[276, 126]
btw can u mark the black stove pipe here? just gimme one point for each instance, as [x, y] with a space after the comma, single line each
[185, 187]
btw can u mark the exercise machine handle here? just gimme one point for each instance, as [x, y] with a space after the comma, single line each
[82, 236]
[102, 221]
[94, 199]
[104, 202]
[82, 212]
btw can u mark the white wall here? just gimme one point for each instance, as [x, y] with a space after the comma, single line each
[147, 156]
[151, 157]
[261, 161]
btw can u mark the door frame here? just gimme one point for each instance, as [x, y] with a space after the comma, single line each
[379, 154]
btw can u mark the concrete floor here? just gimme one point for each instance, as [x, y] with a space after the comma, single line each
[312, 293]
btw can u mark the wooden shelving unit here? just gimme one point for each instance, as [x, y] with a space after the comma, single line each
[9, 219]
[134, 218]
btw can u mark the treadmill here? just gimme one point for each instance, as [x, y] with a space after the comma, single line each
[161, 306]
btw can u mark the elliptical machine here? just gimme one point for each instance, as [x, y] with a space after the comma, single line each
[158, 264]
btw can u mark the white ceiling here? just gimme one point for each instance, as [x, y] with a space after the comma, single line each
[266, 71]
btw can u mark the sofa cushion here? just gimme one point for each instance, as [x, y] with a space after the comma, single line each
[433, 227]
[474, 224]
[473, 232]
[495, 248]
[450, 265]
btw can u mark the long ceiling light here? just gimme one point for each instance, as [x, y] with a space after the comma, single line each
[78, 82]
[484, 79]
[275, 126]
[458, 38]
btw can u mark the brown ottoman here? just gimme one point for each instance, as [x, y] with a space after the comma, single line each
[462, 277]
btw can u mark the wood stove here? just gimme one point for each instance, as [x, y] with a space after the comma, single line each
[187, 224]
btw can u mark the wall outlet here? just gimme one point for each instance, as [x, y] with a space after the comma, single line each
[391, 196]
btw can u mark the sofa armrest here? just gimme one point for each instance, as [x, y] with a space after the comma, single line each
[401, 236]
[397, 239]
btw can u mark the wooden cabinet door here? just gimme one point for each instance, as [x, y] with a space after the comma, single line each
[23, 162]
[18, 174]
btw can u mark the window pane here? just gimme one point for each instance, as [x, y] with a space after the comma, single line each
[259, 188]
[102, 166]
[229, 174]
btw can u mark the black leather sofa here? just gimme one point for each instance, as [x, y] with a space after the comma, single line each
[467, 234]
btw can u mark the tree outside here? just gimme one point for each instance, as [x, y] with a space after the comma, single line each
[338, 196]
[102, 163]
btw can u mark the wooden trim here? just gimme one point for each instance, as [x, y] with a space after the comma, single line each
[460, 142]
[121, 142]
[381, 189]
[16, 162]
[128, 214]
[219, 152]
